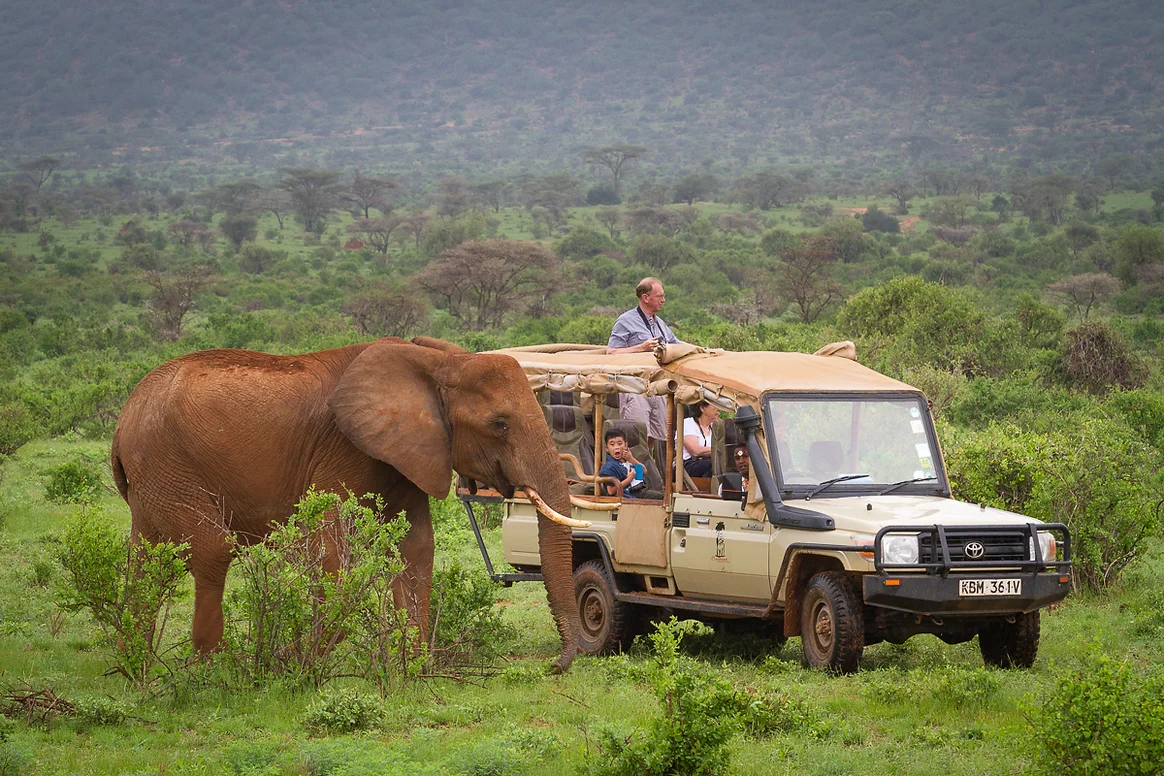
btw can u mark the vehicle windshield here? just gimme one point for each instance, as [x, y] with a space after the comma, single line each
[862, 443]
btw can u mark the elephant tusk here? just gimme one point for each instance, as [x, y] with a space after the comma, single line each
[582, 503]
[549, 513]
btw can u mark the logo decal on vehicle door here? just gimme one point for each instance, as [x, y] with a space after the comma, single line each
[720, 541]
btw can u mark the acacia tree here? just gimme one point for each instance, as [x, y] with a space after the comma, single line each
[277, 203]
[453, 196]
[806, 276]
[615, 158]
[1083, 292]
[902, 191]
[367, 193]
[40, 169]
[491, 193]
[382, 310]
[238, 197]
[610, 217]
[313, 194]
[556, 192]
[172, 297]
[766, 190]
[692, 187]
[377, 232]
[478, 282]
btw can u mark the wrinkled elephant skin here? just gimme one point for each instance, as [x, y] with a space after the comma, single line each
[227, 441]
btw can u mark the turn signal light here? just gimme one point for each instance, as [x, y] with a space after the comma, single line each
[892, 582]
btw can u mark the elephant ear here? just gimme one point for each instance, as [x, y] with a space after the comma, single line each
[388, 404]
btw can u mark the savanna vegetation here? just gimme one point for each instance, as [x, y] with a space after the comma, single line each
[1029, 313]
[973, 193]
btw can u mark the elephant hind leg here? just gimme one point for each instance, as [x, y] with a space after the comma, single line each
[209, 584]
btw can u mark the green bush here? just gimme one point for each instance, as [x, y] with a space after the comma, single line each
[466, 627]
[124, 587]
[74, 482]
[1097, 476]
[1102, 717]
[343, 711]
[700, 712]
[12, 759]
[100, 710]
[287, 618]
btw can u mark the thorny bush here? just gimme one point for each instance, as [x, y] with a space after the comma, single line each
[127, 587]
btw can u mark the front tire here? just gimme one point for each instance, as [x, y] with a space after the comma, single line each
[604, 620]
[1011, 644]
[832, 623]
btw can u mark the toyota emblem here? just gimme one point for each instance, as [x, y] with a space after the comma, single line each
[975, 550]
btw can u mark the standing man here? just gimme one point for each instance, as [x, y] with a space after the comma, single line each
[639, 330]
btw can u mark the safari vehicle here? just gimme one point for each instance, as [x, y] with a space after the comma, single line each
[846, 535]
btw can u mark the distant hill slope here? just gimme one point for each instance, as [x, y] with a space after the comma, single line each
[748, 82]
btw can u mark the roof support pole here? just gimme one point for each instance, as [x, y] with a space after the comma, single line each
[599, 452]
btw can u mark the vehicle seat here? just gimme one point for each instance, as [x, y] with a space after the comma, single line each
[549, 398]
[825, 458]
[568, 430]
[636, 437]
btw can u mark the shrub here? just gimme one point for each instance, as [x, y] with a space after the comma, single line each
[288, 618]
[700, 713]
[100, 710]
[343, 711]
[124, 587]
[466, 628]
[1102, 717]
[1098, 359]
[73, 482]
[12, 759]
[602, 194]
[1096, 476]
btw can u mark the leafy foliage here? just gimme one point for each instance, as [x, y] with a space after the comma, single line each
[1104, 716]
[76, 481]
[127, 588]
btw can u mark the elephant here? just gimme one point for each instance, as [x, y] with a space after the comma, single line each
[225, 442]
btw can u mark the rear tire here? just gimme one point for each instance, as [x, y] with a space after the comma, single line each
[605, 621]
[832, 623]
[1011, 644]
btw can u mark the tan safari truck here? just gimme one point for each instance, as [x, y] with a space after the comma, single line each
[844, 533]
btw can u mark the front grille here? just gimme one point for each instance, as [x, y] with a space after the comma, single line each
[1008, 546]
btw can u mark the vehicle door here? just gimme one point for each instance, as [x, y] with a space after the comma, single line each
[718, 551]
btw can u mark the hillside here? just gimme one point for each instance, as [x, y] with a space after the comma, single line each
[516, 83]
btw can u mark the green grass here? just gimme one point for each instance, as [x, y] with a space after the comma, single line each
[891, 717]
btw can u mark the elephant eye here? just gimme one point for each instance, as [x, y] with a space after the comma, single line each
[500, 426]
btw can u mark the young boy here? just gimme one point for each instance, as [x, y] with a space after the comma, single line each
[620, 464]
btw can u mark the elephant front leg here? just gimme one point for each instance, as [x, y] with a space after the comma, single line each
[412, 588]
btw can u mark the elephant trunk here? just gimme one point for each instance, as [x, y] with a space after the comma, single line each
[556, 548]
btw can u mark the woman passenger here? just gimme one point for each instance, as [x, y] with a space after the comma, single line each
[697, 439]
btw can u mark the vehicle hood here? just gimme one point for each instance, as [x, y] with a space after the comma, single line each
[854, 514]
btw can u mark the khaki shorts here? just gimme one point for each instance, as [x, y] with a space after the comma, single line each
[648, 410]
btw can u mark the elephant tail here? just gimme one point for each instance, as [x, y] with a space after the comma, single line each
[118, 470]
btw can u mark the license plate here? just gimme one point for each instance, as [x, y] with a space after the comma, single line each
[973, 587]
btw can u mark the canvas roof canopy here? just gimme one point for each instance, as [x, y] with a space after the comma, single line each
[726, 378]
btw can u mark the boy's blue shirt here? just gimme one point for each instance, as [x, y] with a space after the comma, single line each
[613, 467]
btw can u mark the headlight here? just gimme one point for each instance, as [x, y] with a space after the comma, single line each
[899, 548]
[1047, 546]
